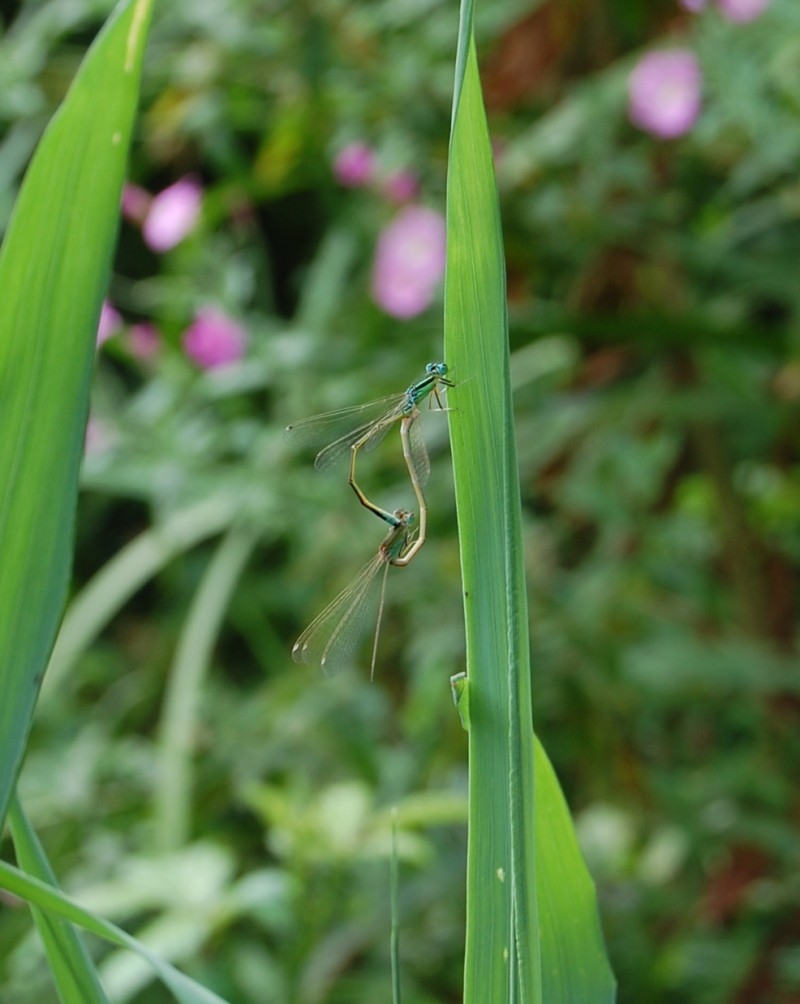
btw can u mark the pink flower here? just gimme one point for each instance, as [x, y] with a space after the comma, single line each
[173, 214]
[144, 341]
[109, 324]
[214, 339]
[742, 10]
[401, 186]
[409, 262]
[353, 166]
[136, 203]
[664, 92]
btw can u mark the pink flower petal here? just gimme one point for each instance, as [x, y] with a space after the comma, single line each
[409, 262]
[144, 341]
[353, 166]
[136, 203]
[173, 214]
[664, 92]
[214, 339]
[401, 186]
[742, 11]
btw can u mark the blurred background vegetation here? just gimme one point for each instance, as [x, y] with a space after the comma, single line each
[655, 335]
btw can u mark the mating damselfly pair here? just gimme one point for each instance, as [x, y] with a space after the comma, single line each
[331, 637]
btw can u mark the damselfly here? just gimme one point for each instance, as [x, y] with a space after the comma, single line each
[331, 637]
[363, 426]
[409, 431]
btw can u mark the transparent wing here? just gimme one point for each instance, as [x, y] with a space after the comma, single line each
[320, 429]
[330, 638]
[419, 453]
[344, 639]
[369, 435]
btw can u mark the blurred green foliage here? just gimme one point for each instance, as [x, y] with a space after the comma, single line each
[655, 314]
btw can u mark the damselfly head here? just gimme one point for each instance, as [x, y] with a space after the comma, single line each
[404, 517]
[438, 371]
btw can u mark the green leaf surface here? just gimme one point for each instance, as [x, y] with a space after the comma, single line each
[55, 903]
[54, 268]
[532, 928]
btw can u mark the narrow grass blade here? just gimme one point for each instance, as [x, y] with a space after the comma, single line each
[73, 971]
[501, 955]
[54, 268]
[132, 566]
[521, 921]
[173, 787]
[48, 898]
[394, 893]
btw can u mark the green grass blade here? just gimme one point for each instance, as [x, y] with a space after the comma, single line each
[135, 564]
[501, 953]
[54, 269]
[394, 894]
[512, 953]
[47, 898]
[73, 971]
[173, 788]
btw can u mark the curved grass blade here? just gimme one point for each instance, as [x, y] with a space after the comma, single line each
[104, 595]
[178, 729]
[73, 971]
[54, 267]
[50, 899]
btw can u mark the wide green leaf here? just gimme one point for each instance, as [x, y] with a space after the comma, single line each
[54, 269]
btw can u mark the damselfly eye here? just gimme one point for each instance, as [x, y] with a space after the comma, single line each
[437, 369]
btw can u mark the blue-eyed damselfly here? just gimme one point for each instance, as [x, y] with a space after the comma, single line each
[364, 426]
